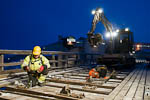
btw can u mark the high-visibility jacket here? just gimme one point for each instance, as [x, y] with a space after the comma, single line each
[93, 73]
[35, 64]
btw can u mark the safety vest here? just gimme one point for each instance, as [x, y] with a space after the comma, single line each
[35, 64]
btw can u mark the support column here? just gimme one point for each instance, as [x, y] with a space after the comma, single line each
[59, 60]
[78, 59]
[53, 58]
[66, 63]
[1, 62]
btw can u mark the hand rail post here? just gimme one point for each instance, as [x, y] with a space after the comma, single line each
[1, 62]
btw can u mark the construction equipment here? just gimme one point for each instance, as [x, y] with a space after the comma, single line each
[68, 42]
[98, 71]
[96, 39]
[119, 49]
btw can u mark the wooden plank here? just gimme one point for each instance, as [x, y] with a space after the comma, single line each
[78, 83]
[127, 86]
[80, 87]
[20, 70]
[77, 74]
[19, 63]
[62, 72]
[54, 90]
[72, 77]
[114, 80]
[27, 52]
[12, 95]
[85, 90]
[114, 93]
[7, 82]
[147, 86]
[1, 98]
[7, 96]
[140, 90]
[11, 71]
[12, 64]
[56, 61]
[14, 76]
[131, 92]
[4, 84]
[148, 77]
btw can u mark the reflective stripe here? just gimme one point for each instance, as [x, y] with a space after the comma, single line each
[42, 78]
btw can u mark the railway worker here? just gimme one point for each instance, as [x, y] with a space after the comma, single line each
[93, 73]
[102, 70]
[36, 66]
[98, 71]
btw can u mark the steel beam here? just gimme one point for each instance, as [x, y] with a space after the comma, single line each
[40, 94]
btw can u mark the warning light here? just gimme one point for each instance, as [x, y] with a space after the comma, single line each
[71, 40]
[70, 43]
[138, 47]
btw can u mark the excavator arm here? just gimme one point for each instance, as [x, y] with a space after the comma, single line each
[96, 39]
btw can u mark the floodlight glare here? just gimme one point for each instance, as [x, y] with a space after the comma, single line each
[100, 10]
[93, 12]
[107, 35]
[117, 30]
[114, 34]
[94, 46]
[126, 29]
[133, 51]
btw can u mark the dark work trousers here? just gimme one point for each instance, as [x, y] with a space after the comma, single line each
[33, 78]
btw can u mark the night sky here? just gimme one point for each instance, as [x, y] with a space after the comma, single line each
[26, 23]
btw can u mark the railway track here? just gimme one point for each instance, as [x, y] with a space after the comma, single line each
[74, 80]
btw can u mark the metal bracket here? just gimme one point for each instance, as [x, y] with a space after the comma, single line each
[67, 92]
[89, 87]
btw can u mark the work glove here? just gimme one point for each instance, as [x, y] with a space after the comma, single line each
[95, 73]
[106, 77]
[40, 69]
[27, 68]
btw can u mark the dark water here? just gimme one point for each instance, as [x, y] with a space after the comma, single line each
[12, 67]
[3, 88]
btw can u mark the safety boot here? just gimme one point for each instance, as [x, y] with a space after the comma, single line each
[41, 84]
[29, 84]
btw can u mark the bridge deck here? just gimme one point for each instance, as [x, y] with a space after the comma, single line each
[128, 85]
[133, 87]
